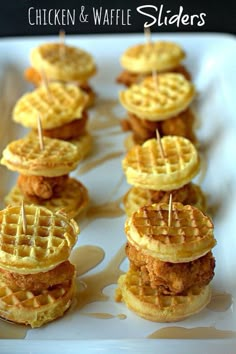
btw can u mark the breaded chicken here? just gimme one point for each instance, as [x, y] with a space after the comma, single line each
[71, 130]
[180, 125]
[41, 187]
[39, 281]
[190, 194]
[128, 78]
[172, 278]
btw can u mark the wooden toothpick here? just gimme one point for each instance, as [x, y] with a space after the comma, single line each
[62, 34]
[160, 143]
[154, 77]
[24, 223]
[147, 33]
[40, 133]
[46, 84]
[170, 211]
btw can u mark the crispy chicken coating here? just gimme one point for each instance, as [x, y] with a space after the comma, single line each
[180, 125]
[172, 278]
[189, 194]
[71, 130]
[39, 281]
[41, 187]
[128, 78]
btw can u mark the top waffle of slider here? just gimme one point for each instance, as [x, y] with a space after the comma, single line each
[189, 236]
[26, 157]
[146, 167]
[158, 98]
[47, 241]
[160, 56]
[59, 105]
[63, 62]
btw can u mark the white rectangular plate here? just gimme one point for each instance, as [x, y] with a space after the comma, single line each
[211, 60]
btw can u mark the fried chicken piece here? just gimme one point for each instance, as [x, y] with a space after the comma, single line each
[128, 78]
[39, 281]
[180, 125]
[189, 194]
[172, 278]
[33, 76]
[41, 187]
[71, 130]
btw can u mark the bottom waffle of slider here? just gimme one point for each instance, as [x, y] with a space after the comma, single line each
[149, 304]
[37, 282]
[73, 199]
[171, 263]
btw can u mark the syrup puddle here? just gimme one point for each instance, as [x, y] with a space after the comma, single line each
[93, 164]
[93, 285]
[104, 116]
[104, 315]
[191, 333]
[86, 258]
[10, 330]
[220, 302]
[106, 210]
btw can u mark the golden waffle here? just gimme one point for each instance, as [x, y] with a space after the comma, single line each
[56, 159]
[189, 236]
[47, 242]
[63, 62]
[160, 98]
[137, 197]
[147, 303]
[84, 144]
[73, 200]
[159, 56]
[145, 166]
[59, 105]
[35, 308]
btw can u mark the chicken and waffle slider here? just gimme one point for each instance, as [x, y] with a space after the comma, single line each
[171, 264]
[62, 63]
[162, 103]
[62, 110]
[158, 169]
[37, 282]
[44, 174]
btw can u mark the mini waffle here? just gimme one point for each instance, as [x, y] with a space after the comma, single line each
[137, 197]
[60, 104]
[56, 159]
[160, 56]
[189, 236]
[47, 242]
[145, 166]
[147, 303]
[63, 62]
[160, 98]
[35, 308]
[73, 200]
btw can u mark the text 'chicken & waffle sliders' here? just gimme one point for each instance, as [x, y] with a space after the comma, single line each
[159, 168]
[141, 60]
[37, 282]
[171, 264]
[44, 174]
[158, 102]
[62, 110]
[62, 63]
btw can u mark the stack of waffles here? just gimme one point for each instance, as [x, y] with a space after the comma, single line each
[37, 282]
[159, 168]
[44, 174]
[171, 264]
[62, 63]
[158, 102]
